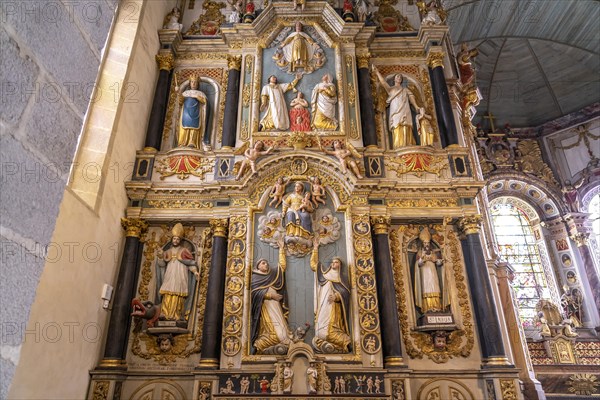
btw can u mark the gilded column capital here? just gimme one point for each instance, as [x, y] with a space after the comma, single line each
[134, 226]
[580, 238]
[435, 59]
[470, 224]
[219, 226]
[165, 61]
[363, 60]
[381, 224]
[234, 62]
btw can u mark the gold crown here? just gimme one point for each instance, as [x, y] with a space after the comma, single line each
[425, 236]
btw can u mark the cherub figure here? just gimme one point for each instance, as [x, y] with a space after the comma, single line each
[301, 3]
[252, 155]
[278, 191]
[307, 204]
[171, 20]
[317, 191]
[344, 156]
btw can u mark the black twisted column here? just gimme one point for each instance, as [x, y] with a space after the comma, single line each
[386, 293]
[486, 315]
[441, 98]
[213, 314]
[159, 104]
[365, 97]
[120, 319]
[231, 101]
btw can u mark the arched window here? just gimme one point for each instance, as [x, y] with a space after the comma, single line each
[513, 226]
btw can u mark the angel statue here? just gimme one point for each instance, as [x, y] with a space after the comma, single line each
[399, 101]
[345, 156]
[252, 155]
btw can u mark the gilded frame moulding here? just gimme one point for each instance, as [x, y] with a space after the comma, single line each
[418, 344]
[188, 344]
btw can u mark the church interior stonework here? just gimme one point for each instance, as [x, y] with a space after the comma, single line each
[337, 199]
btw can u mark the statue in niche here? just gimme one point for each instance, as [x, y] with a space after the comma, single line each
[323, 104]
[171, 20]
[431, 294]
[299, 115]
[252, 154]
[299, 53]
[345, 156]
[273, 101]
[465, 65]
[332, 308]
[399, 101]
[270, 333]
[176, 277]
[192, 122]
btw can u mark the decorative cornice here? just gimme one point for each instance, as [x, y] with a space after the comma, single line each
[165, 61]
[381, 224]
[134, 226]
[219, 226]
[470, 225]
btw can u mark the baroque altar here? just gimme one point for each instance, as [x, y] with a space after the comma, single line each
[304, 218]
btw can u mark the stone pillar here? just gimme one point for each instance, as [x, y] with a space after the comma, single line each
[231, 101]
[532, 388]
[579, 232]
[213, 314]
[159, 104]
[386, 293]
[120, 319]
[488, 324]
[365, 96]
[441, 98]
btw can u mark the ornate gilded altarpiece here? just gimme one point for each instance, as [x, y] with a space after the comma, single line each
[299, 188]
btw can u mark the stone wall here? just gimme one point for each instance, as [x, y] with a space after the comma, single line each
[50, 54]
[55, 262]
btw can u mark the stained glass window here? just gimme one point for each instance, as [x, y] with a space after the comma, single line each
[594, 210]
[517, 245]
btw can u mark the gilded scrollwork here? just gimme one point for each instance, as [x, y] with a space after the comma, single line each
[508, 389]
[460, 342]
[423, 203]
[180, 203]
[101, 390]
[417, 164]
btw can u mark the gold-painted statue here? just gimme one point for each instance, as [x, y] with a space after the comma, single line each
[399, 101]
[430, 291]
[176, 285]
[270, 333]
[323, 103]
[332, 310]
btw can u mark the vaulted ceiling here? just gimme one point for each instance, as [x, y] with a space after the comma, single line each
[538, 60]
